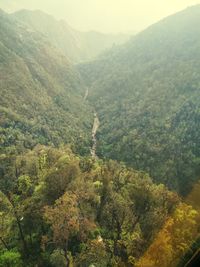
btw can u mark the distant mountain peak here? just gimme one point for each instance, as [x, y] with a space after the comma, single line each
[76, 45]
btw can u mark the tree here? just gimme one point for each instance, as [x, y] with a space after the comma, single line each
[67, 221]
[173, 240]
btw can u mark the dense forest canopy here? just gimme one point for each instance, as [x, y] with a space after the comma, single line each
[69, 204]
[100, 161]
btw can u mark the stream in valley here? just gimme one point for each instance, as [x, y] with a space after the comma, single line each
[95, 127]
[94, 139]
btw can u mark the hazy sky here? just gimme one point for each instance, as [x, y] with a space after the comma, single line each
[104, 15]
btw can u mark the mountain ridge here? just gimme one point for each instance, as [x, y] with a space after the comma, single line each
[76, 45]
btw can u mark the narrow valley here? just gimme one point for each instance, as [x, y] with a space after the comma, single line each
[99, 135]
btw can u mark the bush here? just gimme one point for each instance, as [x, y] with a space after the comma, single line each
[10, 259]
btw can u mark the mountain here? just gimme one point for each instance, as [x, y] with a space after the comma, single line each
[77, 46]
[60, 207]
[147, 96]
[41, 96]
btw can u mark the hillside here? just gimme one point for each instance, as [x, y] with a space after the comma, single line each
[41, 96]
[77, 46]
[147, 96]
[93, 156]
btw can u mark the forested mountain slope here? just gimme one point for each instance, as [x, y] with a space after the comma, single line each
[147, 95]
[77, 46]
[41, 95]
